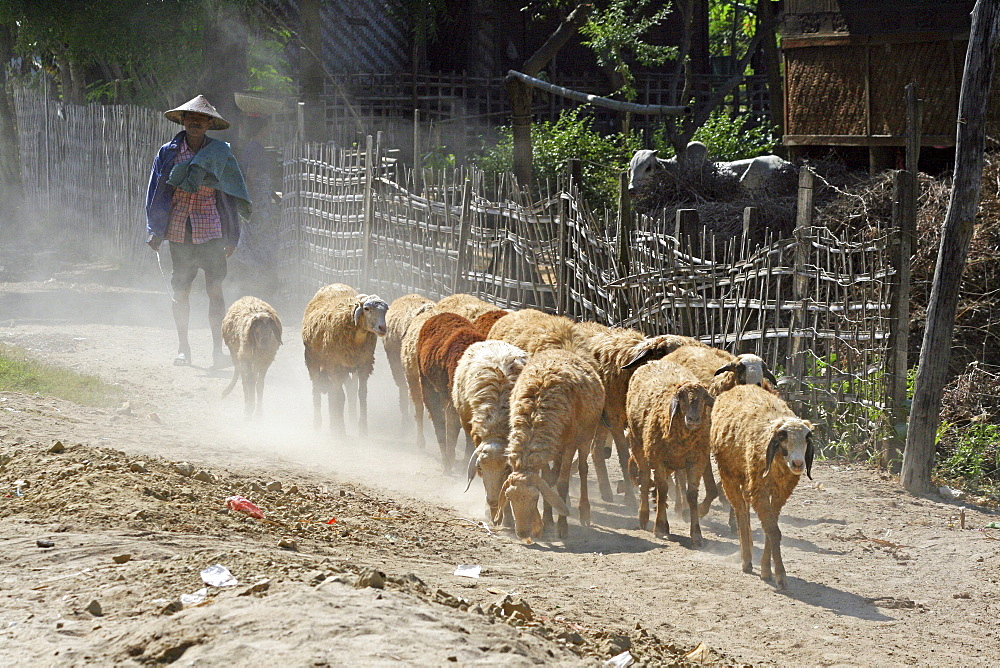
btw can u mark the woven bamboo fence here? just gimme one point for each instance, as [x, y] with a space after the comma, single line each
[89, 165]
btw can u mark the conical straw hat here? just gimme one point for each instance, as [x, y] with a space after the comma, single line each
[201, 105]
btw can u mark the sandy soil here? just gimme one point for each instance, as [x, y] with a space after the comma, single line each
[876, 576]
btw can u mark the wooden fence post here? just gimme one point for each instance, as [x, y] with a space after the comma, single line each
[685, 222]
[625, 226]
[800, 277]
[904, 222]
[914, 121]
[464, 225]
[366, 229]
[574, 176]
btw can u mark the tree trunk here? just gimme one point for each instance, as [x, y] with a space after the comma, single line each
[956, 234]
[10, 159]
[520, 93]
[312, 69]
[225, 45]
[768, 27]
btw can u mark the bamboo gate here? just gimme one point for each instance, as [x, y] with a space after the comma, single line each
[816, 307]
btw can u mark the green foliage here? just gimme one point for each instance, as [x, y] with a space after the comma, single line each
[571, 136]
[615, 35]
[267, 65]
[969, 453]
[21, 373]
[727, 137]
[731, 26]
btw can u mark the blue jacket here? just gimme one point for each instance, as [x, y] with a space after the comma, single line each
[160, 195]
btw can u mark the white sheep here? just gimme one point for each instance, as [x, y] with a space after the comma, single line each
[339, 332]
[252, 332]
[484, 378]
[669, 423]
[555, 407]
[762, 449]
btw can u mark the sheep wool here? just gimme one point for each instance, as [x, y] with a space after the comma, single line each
[252, 332]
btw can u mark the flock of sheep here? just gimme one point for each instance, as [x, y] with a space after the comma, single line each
[535, 393]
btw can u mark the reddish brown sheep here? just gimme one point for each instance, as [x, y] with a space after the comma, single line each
[443, 340]
[485, 322]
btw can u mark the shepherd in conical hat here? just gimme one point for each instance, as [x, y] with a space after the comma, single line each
[195, 200]
[198, 105]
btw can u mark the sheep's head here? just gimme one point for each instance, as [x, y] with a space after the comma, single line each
[490, 462]
[792, 439]
[521, 489]
[641, 166]
[692, 402]
[369, 314]
[749, 370]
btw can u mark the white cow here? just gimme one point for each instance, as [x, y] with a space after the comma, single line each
[753, 173]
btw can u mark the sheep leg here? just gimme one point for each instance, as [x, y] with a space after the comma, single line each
[772, 544]
[249, 387]
[711, 490]
[260, 391]
[562, 487]
[621, 445]
[550, 474]
[399, 377]
[600, 468]
[417, 399]
[584, 492]
[741, 510]
[693, 474]
[452, 428]
[434, 408]
[661, 529]
[679, 492]
[335, 401]
[363, 404]
[317, 399]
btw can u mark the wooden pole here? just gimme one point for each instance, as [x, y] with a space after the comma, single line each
[914, 123]
[366, 230]
[956, 234]
[904, 218]
[464, 226]
[625, 226]
[800, 279]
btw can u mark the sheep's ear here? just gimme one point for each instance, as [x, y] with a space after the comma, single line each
[655, 151]
[675, 407]
[501, 502]
[552, 497]
[729, 367]
[809, 455]
[472, 468]
[772, 450]
[769, 375]
[357, 313]
[643, 356]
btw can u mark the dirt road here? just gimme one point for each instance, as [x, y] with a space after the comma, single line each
[876, 577]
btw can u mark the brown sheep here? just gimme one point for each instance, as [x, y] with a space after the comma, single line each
[252, 332]
[555, 408]
[443, 339]
[484, 323]
[669, 426]
[762, 449]
[339, 332]
[720, 370]
[616, 353]
[397, 320]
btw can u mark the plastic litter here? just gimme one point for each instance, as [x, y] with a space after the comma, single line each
[218, 576]
[468, 571]
[992, 525]
[244, 505]
[950, 492]
[195, 598]
[622, 660]
[332, 520]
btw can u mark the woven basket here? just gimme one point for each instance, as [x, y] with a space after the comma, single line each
[254, 103]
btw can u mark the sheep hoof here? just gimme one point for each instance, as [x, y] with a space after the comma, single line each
[766, 577]
[748, 568]
[696, 541]
[780, 583]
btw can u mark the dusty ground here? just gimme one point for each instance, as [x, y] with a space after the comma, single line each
[876, 577]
